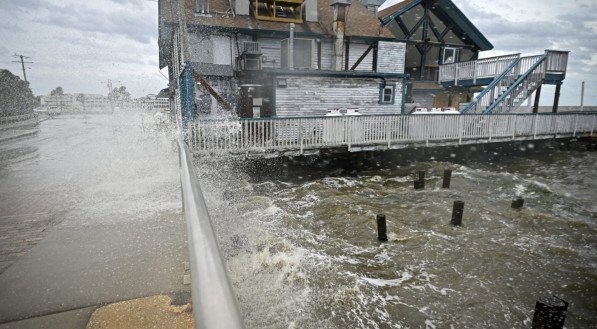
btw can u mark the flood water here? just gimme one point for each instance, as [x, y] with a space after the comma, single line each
[301, 247]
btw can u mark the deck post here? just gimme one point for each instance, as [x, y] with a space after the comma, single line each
[475, 73]
[515, 125]
[556, 98]
[490, 127]
[348, 130]
[301, 136]
[389, 131]
[460, 130]
[537, 97]
[575, 125]
[535, 126]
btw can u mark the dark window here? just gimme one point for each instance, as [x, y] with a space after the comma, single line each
[387, 94]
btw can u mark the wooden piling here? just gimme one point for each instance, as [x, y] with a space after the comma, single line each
[550, 313]
[457, 212]
[447, 178]
[382, 234]
[419, 184]
[517, 203]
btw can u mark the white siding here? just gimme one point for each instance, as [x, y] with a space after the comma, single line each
[313, 96]
[356, 50]
[391, 57]
[326, 55]
[222, 50]
[200, 48]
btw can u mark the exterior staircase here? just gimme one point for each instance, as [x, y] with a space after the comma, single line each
[513, 79]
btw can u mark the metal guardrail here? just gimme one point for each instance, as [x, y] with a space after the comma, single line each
[214, 303]
[300, 134]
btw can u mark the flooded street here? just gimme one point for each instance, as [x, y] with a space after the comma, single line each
[303, 253]
[90, 214]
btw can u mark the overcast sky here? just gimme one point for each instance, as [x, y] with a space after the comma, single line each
[79, 45]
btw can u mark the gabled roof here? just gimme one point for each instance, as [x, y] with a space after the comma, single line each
[361, 22]
[449, 10]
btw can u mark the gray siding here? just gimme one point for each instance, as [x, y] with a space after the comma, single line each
[356, 50]
[391, 57]
[313, 96]
[200, 48]
[326, 55]
[271, 50]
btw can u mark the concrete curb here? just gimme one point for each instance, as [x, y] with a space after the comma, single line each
[30, 133]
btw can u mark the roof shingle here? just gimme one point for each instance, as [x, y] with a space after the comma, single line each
[360, 23]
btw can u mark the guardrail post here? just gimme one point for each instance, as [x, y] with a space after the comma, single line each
[515, 117]
[575, 125]
[593, 125]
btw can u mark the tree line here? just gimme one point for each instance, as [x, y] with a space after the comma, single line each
[16, 98]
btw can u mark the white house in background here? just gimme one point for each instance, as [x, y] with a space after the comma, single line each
[299, 58]
[75, 102]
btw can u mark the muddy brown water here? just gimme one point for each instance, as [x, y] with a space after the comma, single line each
[301, 248]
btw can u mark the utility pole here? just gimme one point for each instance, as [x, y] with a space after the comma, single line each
[22, 61]
[582, 96]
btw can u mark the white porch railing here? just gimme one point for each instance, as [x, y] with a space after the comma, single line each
[390, 131]
[557, 62]
[473, 70]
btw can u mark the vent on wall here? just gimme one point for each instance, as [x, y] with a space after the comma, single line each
[251, 47]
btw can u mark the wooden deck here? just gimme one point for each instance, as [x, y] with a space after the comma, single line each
[298, 136]
[483, 71]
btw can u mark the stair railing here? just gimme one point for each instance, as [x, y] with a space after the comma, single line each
[486, 97]
[534, 72]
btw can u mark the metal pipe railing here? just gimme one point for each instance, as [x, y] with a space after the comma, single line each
[214, 303]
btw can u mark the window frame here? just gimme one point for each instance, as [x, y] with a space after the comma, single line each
[454, 58]
[382, 88]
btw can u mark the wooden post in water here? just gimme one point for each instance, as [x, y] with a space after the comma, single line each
[382, 233]
[517, 203]
[550, 313]
[420, 182]
[457, 212]
[447, 178]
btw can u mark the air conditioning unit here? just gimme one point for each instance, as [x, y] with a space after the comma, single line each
[252, 63]
[251, 47]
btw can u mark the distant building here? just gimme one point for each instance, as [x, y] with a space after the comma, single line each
[154, 103]
[75, 102]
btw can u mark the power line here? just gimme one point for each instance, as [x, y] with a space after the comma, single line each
[22, 61]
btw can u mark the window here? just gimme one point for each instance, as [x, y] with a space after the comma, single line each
[302, 55]
[386, 93]
[450, 55]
